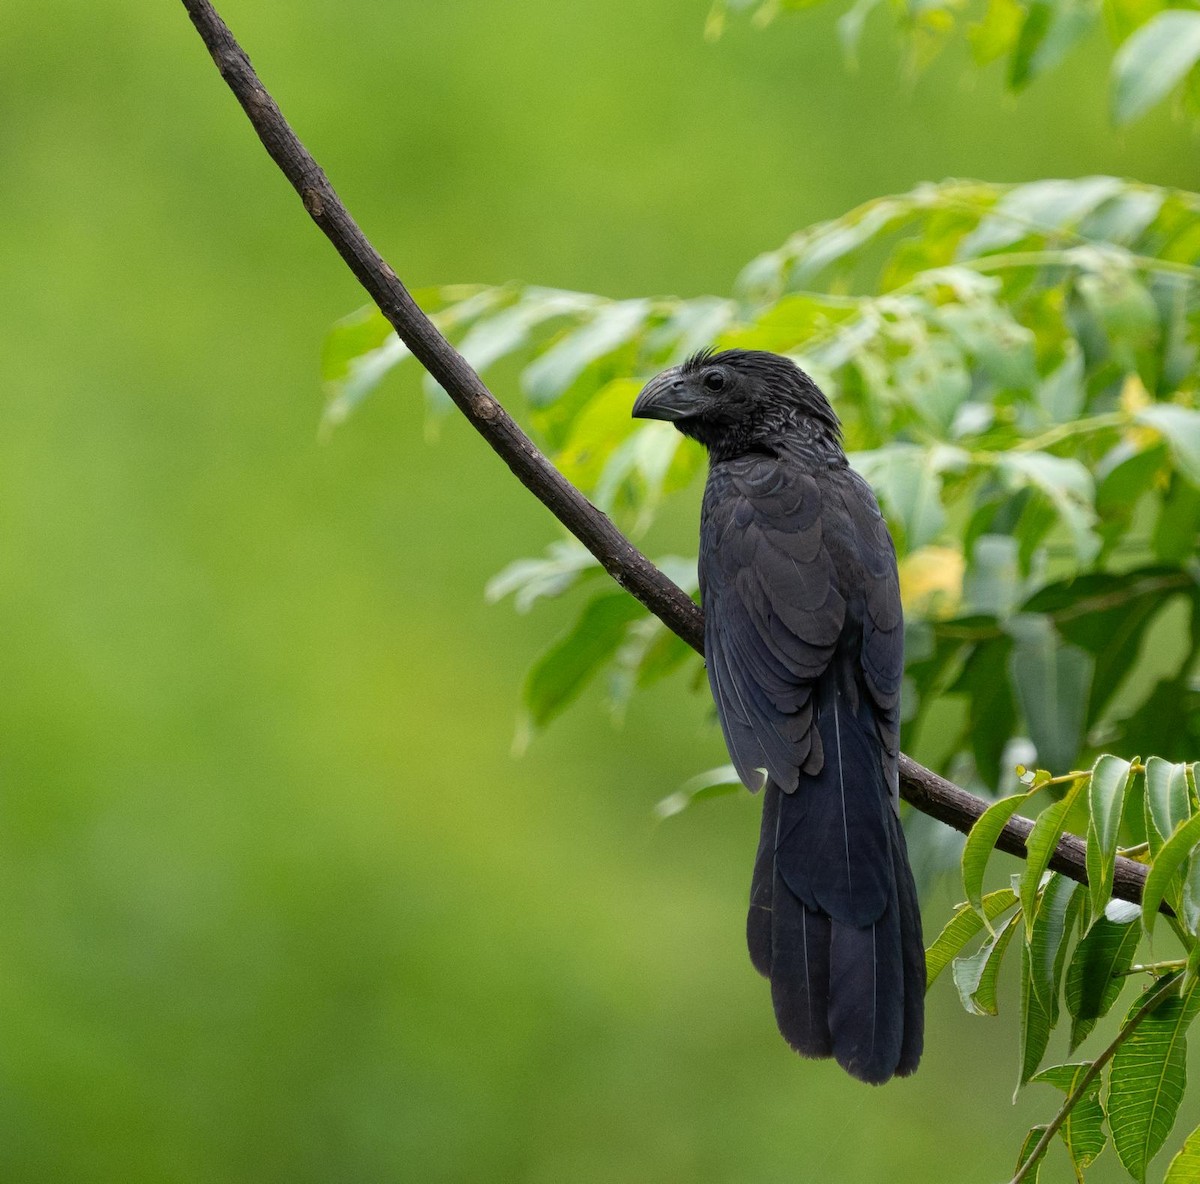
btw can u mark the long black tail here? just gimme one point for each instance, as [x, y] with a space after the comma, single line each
[834, 921]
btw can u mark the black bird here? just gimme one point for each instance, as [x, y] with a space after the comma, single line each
[804, 644]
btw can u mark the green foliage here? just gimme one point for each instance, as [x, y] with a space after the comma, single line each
[565, 669]
[1094, 940]
[1014, 366]
[1096, 972]
[981, 842]
[1158, 45]
[1106, 801]
[976, 976]
[965, 924]
[1185, 1167]
[1154, 61]
[1083, 1128]
[715, 783]
[1149, 1075]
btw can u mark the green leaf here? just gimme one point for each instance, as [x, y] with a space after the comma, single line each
[1166, 802]
[596, 431]
[664, 655]
[1047, 936]
[529, 580]
[1036, 1021]
[1185, 1167]
[1083, 1129]
[1191, 897]
[976, 976]
[359, 350]
[561, 673]
[908, 481]
[996, 33]
[694, 325]
[1165, 866]
[1148, 1078]
[1191, 971]
[1039, 207]
[992, 712]
[1113, 636]
[1153, 61]
[1180, 426]
[1126, 474]
[850, 27]
[935, 379]
[1052, 681]
[1062, 392]
[993, 581]
[1095, 974]
[641, 462]
[554, 371]
[815, 250]
[1121, 304]
[715, 783]
[1166, 721]
[1032, 1139]
[965, 924]
[1039, 847]
[1067, 484]
[1050, 29]
[980, 844]
[1175, 532]
[1107, 788]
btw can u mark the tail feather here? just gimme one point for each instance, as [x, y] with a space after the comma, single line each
[834, 921]
[866, 997]
[800, 975]
[912, 953]
[762, 885]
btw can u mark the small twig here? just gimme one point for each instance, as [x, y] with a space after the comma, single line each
[1088, 1077]
[1053, 257]
[1153, 967]
[923, 788]
[1065, 431]
[1064, 778]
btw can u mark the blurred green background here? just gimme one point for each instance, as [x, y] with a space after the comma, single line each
[278, 903]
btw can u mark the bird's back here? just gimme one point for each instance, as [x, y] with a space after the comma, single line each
[804, 644]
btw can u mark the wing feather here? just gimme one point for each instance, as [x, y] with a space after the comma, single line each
[771, 596]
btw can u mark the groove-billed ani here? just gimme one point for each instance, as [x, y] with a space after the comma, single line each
[804, 643]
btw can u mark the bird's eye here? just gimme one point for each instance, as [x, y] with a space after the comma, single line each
[714, 380]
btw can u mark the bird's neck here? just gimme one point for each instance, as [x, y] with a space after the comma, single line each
[798, 439]
[817, 450]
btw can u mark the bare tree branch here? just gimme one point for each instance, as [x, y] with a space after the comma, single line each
[929, 793]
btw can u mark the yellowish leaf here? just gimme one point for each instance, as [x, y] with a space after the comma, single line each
[931, 581]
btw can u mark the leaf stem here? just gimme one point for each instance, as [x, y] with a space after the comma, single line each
[1064, 431]
[1061, 258]
[1063, 778]
[1093, 1071]
[1154, 967]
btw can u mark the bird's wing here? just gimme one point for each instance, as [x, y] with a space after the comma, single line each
[882, 651]
[774, 613]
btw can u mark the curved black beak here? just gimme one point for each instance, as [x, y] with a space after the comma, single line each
[667, 397]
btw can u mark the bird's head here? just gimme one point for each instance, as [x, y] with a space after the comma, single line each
[743, 401]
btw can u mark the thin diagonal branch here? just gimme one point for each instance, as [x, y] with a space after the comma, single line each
[1090, 1075]
[929, 793]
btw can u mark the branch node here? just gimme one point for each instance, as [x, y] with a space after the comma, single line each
[313, 202]
[485, 407]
